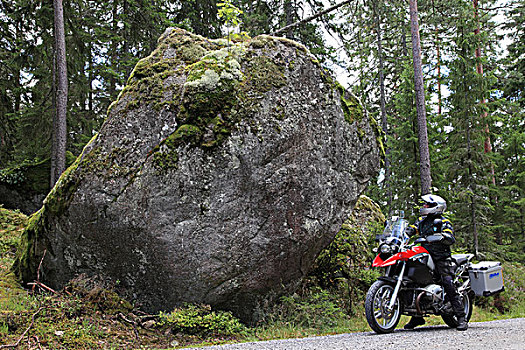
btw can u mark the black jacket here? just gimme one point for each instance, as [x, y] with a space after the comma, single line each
[427, 226]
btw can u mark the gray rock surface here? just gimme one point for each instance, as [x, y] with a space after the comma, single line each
[220, 173]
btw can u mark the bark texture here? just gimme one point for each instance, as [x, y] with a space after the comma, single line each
[424, 156]
[58, 154]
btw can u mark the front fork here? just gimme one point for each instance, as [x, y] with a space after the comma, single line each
[397, 287]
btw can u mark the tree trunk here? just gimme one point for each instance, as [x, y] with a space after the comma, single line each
[470, 180]
[474, 225]
[114, 43]
[384, 121]
[58, 154]
[424, 156]
[438, 65]
[288, 10]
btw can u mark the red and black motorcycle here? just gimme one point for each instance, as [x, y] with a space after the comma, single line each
[410, 286]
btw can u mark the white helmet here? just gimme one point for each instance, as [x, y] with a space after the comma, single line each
[432, 204]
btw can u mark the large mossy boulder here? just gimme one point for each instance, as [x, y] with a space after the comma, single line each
[221, 172]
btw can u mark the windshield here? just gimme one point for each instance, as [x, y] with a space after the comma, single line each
[395, 227]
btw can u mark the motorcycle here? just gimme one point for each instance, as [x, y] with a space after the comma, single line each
[410, 285]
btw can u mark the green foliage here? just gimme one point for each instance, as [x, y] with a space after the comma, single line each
[513, 82]
[201, 321]
[403, 146]
[467, 163]
[29, 176]
[229, 13]
[317, 308]
[12, 224]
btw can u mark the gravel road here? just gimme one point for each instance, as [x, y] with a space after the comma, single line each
[500, 335]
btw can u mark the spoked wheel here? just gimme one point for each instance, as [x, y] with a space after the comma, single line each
[379, 316]
[467, 299]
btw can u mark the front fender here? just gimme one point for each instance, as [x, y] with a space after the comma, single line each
[387, 279]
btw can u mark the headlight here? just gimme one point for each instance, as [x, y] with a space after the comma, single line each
[385, 249]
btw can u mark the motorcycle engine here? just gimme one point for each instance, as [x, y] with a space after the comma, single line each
[434, 292]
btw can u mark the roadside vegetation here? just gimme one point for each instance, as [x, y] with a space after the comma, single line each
[85, 316]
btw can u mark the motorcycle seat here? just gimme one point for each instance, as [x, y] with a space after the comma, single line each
[462, 258]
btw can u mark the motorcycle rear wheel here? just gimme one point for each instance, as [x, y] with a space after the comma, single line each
[451, 320]
[380, 319]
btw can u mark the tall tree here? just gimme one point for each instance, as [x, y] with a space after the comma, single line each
[382, 97]
[479, 69]
[513, 80]
[424, 154]
[58, 154]
[468, 162]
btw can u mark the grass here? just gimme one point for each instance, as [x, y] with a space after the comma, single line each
[85, 316]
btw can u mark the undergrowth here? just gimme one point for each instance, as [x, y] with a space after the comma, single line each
[86, 316]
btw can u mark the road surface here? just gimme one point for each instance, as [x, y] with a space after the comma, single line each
[497, 335]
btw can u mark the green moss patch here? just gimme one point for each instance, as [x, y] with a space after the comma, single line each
[12, 223]
[265, 74]
[353, 110]
[217, 94]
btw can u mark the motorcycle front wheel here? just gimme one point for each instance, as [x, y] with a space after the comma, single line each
[379, 317]
[467, 300]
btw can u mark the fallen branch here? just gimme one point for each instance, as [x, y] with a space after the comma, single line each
[311, 18]
[42, 286]
[23, 334]
[37, 282]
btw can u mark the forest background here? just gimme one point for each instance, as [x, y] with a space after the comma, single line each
[473, 54]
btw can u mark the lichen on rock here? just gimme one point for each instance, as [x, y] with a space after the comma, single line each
[218, 176]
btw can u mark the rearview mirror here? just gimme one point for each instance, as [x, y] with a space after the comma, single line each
[420, 240]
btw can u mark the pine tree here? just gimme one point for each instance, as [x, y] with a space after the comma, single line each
[468, 162]
[514, 80]
[509, 141]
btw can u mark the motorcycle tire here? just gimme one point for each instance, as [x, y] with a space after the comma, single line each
[451, 320]
[377, 299]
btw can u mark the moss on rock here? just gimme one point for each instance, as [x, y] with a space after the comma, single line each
[216, 87]
[348, 255]
[55, 203]
[352, 109]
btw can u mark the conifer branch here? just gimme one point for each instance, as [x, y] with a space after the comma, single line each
[310, 18]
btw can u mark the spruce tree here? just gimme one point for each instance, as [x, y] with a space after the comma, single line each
[468, 163]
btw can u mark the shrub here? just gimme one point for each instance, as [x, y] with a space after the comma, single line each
[316, 309]
[201, 321]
